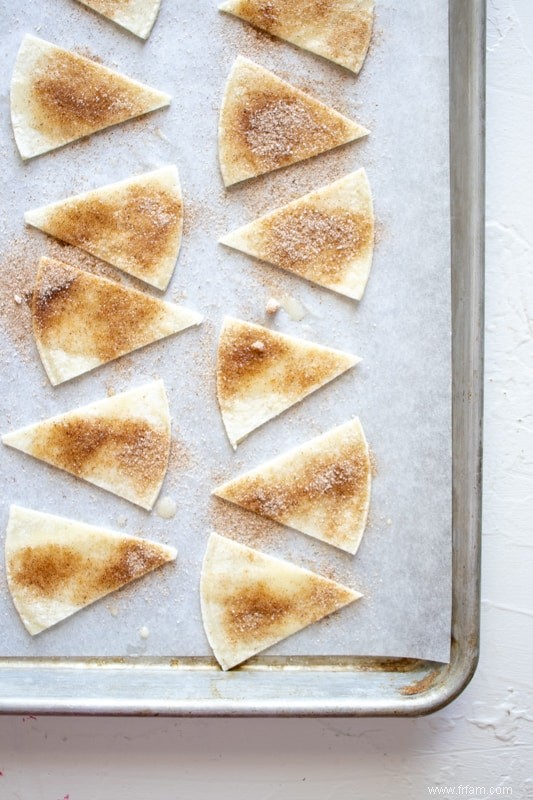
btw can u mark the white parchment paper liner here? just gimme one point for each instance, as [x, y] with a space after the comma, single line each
[401, 328]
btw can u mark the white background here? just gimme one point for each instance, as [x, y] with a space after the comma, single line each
[485, 739]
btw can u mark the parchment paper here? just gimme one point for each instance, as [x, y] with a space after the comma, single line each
[401, 391]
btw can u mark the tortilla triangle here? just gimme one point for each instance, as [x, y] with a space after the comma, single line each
[321, 488]
[120, 444]
[137, 16]
[81, 321]
[135, 224]
[261, 373]
[266, 123]
[57, 566]
[58, 96]
[325, 236]
[251, 600]
[337, 31]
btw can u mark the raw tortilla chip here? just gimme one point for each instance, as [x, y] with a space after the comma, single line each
[321, 488]
[58, 97]
[57, 566]
[137, 16]
[265, 123]
[327, 236]
[120, 444]
[339, 31]
[261, 373]
[135, 224]
[251, 600]
[81, 321]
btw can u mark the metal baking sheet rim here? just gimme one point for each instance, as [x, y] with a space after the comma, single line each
[348, 686]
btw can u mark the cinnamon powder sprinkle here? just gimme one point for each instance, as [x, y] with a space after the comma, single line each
[70, 97]
[243, 527]
[333, 485]
[316, 244]
[109, 7]
[83, 314]
[254, 610]
[18, 268]
[267, 123]
[181, 458]
[142, 223]
[275, 130]
[62, 572]
[86, 447]
[323, 478]
[239, 360]
[242, 364]
[258, 610]
[340, 31]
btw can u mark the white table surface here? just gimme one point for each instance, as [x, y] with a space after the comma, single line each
[483, 741]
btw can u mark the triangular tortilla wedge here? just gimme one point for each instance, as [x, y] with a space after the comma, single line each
[120, 444]
[321, 488]
[57, 566]
[137, 16]
[338, 31]
[251, 600]
[58, 97]
[266, 123]
[81, 321]
[326, 236]
[261, 373]
[135, 224]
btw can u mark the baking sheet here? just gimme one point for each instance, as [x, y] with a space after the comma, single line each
[401, 391]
